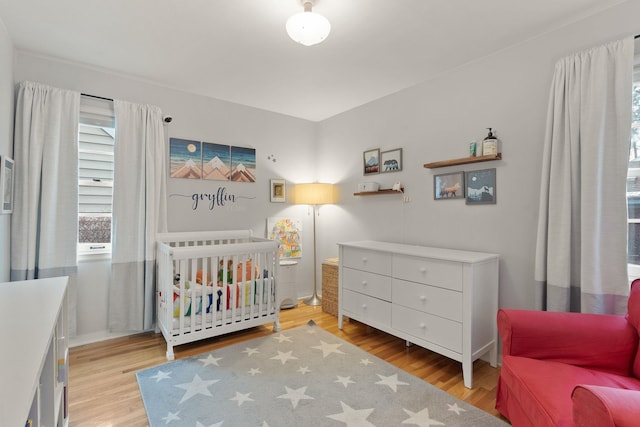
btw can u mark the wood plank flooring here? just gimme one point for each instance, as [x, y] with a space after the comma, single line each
[103, 390]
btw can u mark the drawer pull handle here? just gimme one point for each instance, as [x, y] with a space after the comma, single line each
[423, 298]
[364, 259]
[423, 270]
[364, 306]
[422, 326]
[364, 283]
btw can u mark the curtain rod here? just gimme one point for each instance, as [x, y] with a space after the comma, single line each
[97, 97]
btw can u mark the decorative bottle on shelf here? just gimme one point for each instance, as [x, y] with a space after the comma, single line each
[490, 145]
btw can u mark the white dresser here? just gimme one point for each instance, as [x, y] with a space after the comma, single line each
[34, 360]
[441, 299]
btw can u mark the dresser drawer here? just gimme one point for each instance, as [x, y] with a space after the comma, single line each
[372, 261]
[429, 299]
[366, 309]
[443, 332]
[367, 283]
[444, 274]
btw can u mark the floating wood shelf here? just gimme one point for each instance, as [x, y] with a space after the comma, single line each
[376, 193]
[462, 161]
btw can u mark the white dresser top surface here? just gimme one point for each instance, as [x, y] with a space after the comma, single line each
[422, 251]
[28, 313]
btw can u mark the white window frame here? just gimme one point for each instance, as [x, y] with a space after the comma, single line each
[99, 113]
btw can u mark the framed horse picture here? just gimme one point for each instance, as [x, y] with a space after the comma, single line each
[448, 186]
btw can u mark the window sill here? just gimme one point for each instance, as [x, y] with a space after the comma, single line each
[94, 256]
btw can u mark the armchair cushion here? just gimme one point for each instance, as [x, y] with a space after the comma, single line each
[603, 342]
[605, 406]
[540, 390]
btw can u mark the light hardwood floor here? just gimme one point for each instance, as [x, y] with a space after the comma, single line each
[103, 390]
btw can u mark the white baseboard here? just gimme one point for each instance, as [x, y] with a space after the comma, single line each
[97, 337]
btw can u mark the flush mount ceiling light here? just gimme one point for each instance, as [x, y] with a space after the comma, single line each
[308, 28]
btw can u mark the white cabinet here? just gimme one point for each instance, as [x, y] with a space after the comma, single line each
[35, 358]
[441, 299]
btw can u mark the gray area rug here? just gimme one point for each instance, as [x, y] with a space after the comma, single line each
[300, 377]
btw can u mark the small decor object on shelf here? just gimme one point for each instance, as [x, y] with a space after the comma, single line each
[481, 187]
[448, 186]
[278, 191]
[391, 161]
[371, 162]
[472, 149]
[490, 145]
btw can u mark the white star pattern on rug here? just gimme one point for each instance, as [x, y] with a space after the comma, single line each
[305, 380]
[254, 371]
[251, 351]
[196, 386]
[421, 419]
[455, 408]
[282, 338]
[353, 417]
[304, 370]
[161, 375]
[284, 357]
[210, 360]
[295, 395]
[199, 424]
[171, 416]
[392, 381]
[242, 397]
[366, 362]
[328, 349]
[345, 381]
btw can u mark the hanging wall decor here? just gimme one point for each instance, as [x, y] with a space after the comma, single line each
[481, 187]
[448, 186]
[185, 158]
[371, 159]
[216, 161]
[391, 161]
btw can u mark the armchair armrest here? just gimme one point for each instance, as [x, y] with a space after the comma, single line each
[605, 406]
[600, 341]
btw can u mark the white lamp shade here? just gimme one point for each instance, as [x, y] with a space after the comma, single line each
[308, 28]
[315, 194]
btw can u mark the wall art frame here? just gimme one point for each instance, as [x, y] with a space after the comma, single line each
[278, 191]
[449, 186]
[391, 161]
[481, 187]
[371, 162]
[6, 184]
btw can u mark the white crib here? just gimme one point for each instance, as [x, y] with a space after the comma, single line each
[215, 282]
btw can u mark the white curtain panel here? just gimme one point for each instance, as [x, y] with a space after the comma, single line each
[139, 213]
[581, 257]
[44, 224]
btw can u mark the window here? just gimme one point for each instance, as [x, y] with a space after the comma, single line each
[96, 137]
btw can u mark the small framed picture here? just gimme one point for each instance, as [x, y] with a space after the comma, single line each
[6, 184]
[278, 191]
[371, 162]
[448, 186]
[481, 187]
[391, 161]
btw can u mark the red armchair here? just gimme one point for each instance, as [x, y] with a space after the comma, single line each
[570, 369]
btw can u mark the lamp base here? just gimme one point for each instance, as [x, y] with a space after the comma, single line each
[313, 300]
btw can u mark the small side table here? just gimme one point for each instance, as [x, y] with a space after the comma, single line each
[287, 285]
[330, 286]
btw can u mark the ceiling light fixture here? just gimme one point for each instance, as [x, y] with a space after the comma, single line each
[308, 28]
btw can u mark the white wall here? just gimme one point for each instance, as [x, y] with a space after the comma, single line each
[435, 121]
[6, 137]
[432, 121]
[289, 140]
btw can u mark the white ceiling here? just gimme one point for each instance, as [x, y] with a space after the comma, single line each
[238, 50]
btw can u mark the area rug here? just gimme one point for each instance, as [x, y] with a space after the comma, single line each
[300, 377]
